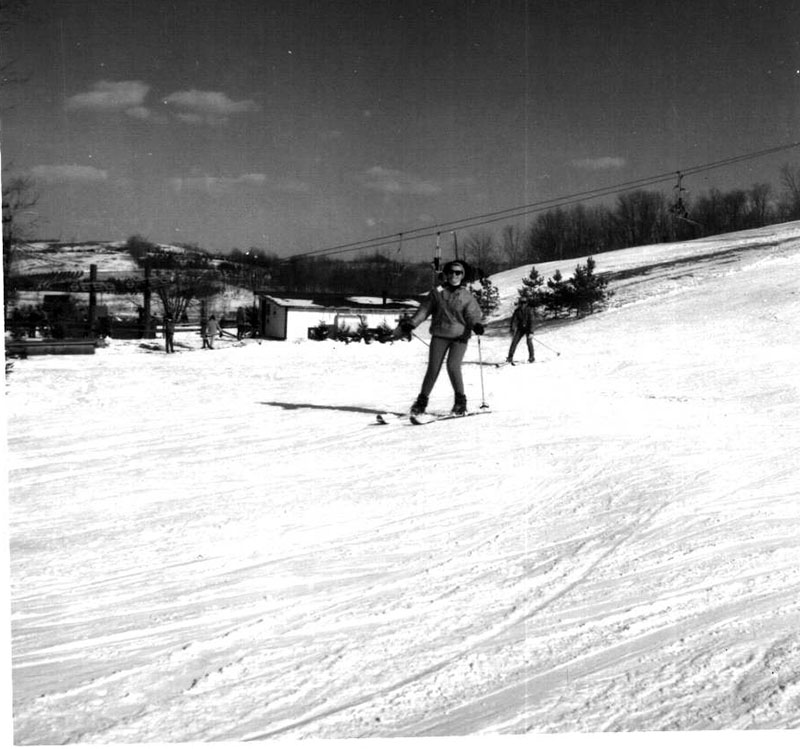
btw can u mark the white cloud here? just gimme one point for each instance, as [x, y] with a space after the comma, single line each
[396, 182]
[54, 173]
[252, 179]
[110, 96]
[208, 107]
[192, 106]
[601, 163]
[209, 184]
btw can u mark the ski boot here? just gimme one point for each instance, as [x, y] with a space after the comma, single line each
[460, 405]
[419, 406]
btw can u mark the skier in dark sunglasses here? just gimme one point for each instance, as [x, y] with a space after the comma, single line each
[455, 315]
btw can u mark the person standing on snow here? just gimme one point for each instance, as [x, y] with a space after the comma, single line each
[169, 334]
[240, 323]
[212, 330]
[455, 316]
[204, 331]
[522, 324]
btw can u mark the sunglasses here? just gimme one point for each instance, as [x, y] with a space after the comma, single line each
[455, 273]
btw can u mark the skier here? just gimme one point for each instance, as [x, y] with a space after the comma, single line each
[455, 316]
[212, 330]
[522, 323]
[169, 334]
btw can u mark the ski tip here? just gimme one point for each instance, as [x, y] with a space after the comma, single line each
[385, 417]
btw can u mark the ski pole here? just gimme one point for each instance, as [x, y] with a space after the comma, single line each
[421, 339]
[546, 346]
[480, 367]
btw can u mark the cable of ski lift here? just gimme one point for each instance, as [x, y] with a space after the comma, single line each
[515, 212]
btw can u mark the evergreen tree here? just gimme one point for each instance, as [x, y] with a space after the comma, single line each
[556, 298]
[531, 289]
[586, 289]
[488, 296]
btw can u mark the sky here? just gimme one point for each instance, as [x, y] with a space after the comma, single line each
[299, 126]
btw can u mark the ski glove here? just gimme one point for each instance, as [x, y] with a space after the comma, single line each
[406, 326]
[476, 328]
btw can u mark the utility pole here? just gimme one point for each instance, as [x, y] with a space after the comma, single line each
[146, 301]
[92, 300]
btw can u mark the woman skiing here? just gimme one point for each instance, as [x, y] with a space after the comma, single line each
[455, 316]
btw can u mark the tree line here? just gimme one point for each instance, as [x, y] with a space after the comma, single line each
[636, 218]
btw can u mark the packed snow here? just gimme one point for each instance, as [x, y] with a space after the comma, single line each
[224, 545]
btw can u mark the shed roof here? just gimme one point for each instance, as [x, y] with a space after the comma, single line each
[338, 302]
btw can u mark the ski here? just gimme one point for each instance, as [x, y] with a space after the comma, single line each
[513, 364]
[390, 417]
[426, 418]
[393, 417]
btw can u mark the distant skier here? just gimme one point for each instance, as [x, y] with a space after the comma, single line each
[169, 334]
[522, 324]
[455, 316]
[204, 332]
[212, 330]
[240, 323]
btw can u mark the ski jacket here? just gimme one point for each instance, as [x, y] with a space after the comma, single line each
[523, 320]
[453, 312]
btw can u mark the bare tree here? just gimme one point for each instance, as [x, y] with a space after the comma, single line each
[734, 204]
[20, 196]
[759, 204]
[177, 289]
[641, 217]
[19, 199]
[479, 251]
[512, 245]
[546, 239]
[790, 179]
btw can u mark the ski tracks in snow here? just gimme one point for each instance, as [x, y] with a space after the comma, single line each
[621, 554]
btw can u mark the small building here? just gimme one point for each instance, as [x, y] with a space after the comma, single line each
[294, 317]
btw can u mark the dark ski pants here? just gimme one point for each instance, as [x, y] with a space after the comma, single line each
[454, 350]
[515, 342]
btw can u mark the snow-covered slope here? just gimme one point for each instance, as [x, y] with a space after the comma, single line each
[220, 545]
[51, 257]
[112, 260]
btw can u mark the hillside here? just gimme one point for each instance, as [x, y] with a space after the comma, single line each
[223, 546]
[112, 260]
[660, 266]
[656, 269]
[51, 256]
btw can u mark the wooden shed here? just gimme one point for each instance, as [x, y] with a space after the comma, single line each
[293, 317]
